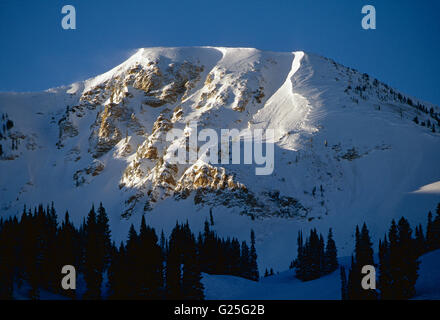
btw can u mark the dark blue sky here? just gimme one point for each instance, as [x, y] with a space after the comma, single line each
[36, 53]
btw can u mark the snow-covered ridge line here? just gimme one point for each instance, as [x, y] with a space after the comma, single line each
[346, 147]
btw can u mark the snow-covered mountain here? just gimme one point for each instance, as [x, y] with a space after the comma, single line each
[347, 147]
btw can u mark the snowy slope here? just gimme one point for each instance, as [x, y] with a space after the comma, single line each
[103, 139]
[285, 286]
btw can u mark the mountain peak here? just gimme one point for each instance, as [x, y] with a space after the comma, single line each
[105, 139]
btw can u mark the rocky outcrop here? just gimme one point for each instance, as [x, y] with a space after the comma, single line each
[84, 175]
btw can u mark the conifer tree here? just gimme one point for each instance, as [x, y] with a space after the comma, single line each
[150, 263]
[174, 265]
[343, 284]
[385, 278]
[103, 237]
[399, 262]
[234, 257]
[6, 259]
[68, 250]
[429, 233]
[254, 274]
[245, 261]
[435, 231]
[363, 256]
[92, 259]
[117, 275]
[404, 262]
[299, 263]
[420, 242]
[192, 287]
[331, 255]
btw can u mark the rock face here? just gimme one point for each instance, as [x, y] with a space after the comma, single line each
[106, 137]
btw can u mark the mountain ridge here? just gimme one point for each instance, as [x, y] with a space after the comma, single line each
[339, 154]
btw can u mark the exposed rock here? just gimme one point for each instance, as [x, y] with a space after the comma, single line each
[83, 176]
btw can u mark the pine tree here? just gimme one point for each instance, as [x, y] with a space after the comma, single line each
[385, 279]
[399, 262]
[363, 256]
[117, 274]
[354, 281]
[92, 258]
[254, 274]
[6, 259]
[343, 284]
[435, 240]
[68, 250]
[192, 287]
[429, 233]
[174, 266]
[234, 257]
[208, 250]
[311, 261]
[299, 263]
[405, 266]
[150, 263]
[420, 242]
[331, 255]
[245, 261]
[103, 237]
[183, 277]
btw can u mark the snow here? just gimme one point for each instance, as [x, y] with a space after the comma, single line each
[284, 286]
[281, 286]
[432, 188]
[427, 287]
[317, 121]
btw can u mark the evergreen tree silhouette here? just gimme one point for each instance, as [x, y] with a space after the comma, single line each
[150, 263]
[103, 237]
[245, 261]
[435, 231]
[254, 274]
[420, 242]
[404, 262]
[299, 263]
[331, 254]
[363, 256]
[385, 277]
[234, 257]
[92, 258]
[183, 268]
[344, 294]
[311, 260]
[192, 288]
[430, 233]
[399, 262]
[7, 259]
[174, 265]
[117, 274]
[68, 250]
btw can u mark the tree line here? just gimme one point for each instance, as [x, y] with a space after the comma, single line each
[315, 258]
[35, 247]
[399, 253]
